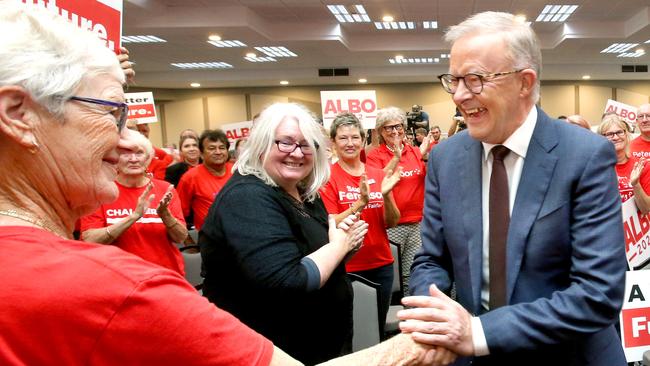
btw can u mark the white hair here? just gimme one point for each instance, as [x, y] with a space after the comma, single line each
[523, 49]
[262, 138]
[48, 56]
[389, 114]
[142, 141]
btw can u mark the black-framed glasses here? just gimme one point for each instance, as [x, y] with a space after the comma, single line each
[397, 128]
[121, 111]
[473, 81]
[610, 135]
[288, 147]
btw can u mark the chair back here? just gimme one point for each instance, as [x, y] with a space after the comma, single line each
[365, 313]
[192, 258]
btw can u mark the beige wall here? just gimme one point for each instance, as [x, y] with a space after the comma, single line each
[211, 108]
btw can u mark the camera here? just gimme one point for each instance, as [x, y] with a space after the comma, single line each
[413, 117]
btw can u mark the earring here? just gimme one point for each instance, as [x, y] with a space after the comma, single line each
[35, 147]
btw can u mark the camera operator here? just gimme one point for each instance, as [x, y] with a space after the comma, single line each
[417, 118]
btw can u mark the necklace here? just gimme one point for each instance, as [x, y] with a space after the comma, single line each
[31, 219]
[392, 149]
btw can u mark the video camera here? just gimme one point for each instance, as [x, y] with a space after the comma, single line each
[414, 116]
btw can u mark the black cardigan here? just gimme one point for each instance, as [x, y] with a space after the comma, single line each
[252, 242]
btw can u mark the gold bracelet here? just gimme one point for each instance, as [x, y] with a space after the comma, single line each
[108, 232]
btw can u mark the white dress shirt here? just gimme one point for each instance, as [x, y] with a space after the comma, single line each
[514, 162]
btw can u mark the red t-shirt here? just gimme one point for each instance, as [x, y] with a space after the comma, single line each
[339, 194]
[72, 303]
[623, 172]
[198, 188]
[159, 163]
[147, 238]
[409, 192]
[640, 148]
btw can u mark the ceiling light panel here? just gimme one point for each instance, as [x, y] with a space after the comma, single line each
[227, 44]
[556, 13]
[619, 47]
[394, 25]
[142, 39]
[430, 24]
[355, 14]
[632, 54]
[413, 60]
[202, 65]
[260, 59]
[276, 51]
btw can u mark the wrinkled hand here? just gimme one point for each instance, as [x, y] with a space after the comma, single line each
[392, 164]
[403, 350]
[144, 201]
[163, 205]
[636, 171]
[390, 180]
[437, 320]
[127, 66]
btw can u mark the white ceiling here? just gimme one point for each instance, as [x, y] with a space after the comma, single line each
[307, 28]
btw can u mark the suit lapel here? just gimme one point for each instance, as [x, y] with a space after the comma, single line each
[533, 185]
[471, 186]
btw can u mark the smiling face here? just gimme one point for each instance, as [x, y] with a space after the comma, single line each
[348, 142]
[494, 114]
[393, 133]
[85, 170]
[288, 169]
[643, 120]
[618, 137]
[215, 153]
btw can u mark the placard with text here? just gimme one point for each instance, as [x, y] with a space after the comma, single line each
[141, 107]
[635, 316]
[362, 103]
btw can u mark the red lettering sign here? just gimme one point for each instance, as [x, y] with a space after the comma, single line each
[636, 327]
[141, 111]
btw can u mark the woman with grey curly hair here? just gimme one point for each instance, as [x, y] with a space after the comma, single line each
[409, 192]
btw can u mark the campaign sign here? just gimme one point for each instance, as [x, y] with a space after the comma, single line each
[637, 236]
[625, 111]
[361, 103]
[635, 316]
[102, 17]
[141, 107]
[236, 131]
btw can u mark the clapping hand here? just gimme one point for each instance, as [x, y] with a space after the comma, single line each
[636, 171]
[144, 201]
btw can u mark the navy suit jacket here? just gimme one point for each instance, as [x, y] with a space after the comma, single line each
[565, 250]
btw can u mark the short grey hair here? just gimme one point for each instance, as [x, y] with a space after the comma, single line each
[389, 114]
[346, 119]
[48, 56]
[523, 49]
[262, 138]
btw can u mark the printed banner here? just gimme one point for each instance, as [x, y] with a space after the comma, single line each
[102, 17]
[362, 103]
[626, 112]
[635, 315]
[236, 131]
[141, 107]
[637, 237]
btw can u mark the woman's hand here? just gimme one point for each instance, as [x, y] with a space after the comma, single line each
[392, 164]
[390, 181]
[636, 171]
[349, 233]
[144, 201]
[163, 205]
[364, 190]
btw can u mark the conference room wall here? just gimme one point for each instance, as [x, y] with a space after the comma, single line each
[212, 108]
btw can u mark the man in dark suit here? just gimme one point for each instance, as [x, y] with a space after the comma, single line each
[542, 284]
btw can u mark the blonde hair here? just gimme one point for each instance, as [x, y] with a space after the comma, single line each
[262, 138]
[610, 120]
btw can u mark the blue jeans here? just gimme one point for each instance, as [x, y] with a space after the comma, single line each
[384, 277]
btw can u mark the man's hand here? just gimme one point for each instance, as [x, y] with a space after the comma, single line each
[438, 320]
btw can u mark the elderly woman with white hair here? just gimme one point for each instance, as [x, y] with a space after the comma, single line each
[267, 237]
[409, 192]
[129, 222]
